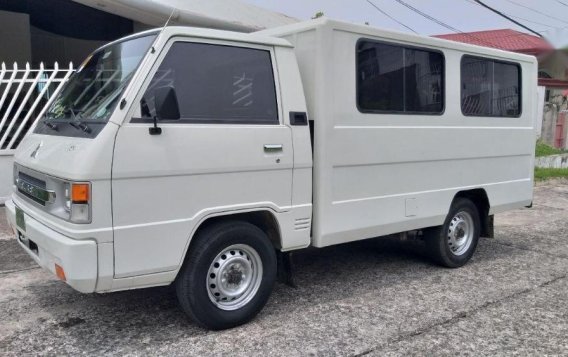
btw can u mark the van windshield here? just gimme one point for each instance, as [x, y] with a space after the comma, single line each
[91, 94]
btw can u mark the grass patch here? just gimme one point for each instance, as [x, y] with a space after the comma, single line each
[541, 174]
[544, 150]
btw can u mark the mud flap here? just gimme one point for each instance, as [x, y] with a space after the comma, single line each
[489, 229]
[285, 269]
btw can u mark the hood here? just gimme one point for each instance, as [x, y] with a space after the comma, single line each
[69, 158]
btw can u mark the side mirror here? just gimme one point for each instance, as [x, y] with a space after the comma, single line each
[166, 103]
[167, 108]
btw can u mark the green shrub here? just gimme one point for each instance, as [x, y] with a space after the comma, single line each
[543, 174]
[544, 150]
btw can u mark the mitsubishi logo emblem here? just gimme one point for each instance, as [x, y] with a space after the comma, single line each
[33, 155]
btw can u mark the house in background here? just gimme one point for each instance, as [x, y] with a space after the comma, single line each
[552, 74]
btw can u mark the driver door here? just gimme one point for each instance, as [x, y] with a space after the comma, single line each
[229, 150]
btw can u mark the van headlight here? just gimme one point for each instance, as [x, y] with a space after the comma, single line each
[78, 201]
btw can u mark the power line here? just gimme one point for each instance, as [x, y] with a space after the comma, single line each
[563, 3]
[390, 17]
[536, 11]
[532, 22]
[443, 24]
[520, 18]
[451, 28]
[507, 17]
[428, 16]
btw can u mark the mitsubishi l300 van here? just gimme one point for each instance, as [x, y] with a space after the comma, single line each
[196, 157]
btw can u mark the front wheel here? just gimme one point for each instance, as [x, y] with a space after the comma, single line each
[228, 275]
[453, 244]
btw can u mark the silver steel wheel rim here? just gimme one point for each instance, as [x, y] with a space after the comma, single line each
[234, 277]
[460, 233]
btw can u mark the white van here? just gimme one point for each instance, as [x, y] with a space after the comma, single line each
[196, 157]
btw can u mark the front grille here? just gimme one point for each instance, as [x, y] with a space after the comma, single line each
[34, 181]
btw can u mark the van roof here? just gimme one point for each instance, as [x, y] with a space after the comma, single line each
[365, 30]
[271, 36]
[197, 32]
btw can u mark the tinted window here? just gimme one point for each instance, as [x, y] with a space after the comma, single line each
[490, 88]
[215, 83]
[398, 79]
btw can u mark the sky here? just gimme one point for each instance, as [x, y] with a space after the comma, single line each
[548, 17]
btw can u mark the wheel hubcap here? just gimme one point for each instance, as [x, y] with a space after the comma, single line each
[460, 233]
[234, 277]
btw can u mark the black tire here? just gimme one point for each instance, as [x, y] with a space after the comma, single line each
[439, 243]
[192, 281]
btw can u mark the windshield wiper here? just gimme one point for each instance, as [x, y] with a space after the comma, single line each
[51, 126]
[77, 124]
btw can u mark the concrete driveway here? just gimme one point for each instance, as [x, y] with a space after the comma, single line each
[378, 297]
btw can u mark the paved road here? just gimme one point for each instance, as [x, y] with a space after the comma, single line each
[379, 297]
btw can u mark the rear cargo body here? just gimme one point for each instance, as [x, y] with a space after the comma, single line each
[381, 173]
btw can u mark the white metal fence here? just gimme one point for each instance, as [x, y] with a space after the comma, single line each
[25, 94]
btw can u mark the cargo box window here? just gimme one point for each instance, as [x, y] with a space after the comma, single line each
[216, 84]
[490, 88]
[399, 79]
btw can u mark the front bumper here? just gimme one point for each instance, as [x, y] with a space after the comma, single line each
[78, 258]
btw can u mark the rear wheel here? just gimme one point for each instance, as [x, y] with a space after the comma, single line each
[228, 275]
[453, 244]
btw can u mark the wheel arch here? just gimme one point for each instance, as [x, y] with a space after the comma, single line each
[263, 218]
[480, 199]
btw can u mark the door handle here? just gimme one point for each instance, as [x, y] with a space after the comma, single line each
[272, 147]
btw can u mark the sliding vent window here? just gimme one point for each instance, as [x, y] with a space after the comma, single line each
[396, 79]
[217, 84]
[490, 88]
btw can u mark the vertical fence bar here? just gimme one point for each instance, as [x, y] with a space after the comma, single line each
[15, 97]
[35, 104]
[8, 86]
[2, 72]
[53, 95]
[15, 117]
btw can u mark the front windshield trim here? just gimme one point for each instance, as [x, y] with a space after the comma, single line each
[93, 92]
[128, 38]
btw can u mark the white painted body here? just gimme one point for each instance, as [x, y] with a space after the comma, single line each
[373, 174]
[377, 174]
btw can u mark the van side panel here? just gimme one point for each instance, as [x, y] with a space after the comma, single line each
[377, 174]
[295, 229]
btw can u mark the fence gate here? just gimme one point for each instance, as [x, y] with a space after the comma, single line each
[25, 94]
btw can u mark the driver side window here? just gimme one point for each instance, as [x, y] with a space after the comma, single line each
[216, 84]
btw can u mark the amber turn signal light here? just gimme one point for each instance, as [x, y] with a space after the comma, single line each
[80, 193]
[60, 272]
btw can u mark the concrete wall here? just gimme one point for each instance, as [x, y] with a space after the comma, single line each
[18, 37]
[552, 161]
[549, 123]
[15, 38]
[49, 48]
[6, 178]
[15, 46]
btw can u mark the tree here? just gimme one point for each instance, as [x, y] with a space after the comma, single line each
[318, 14]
